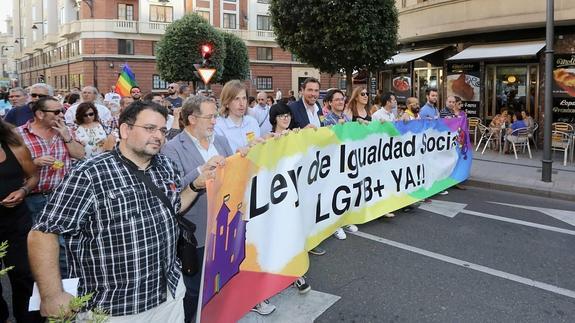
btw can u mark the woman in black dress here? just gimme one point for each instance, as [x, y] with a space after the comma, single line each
[19, 177]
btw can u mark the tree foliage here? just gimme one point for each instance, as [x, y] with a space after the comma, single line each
[332, 35]
[179, 49]
[237, 62]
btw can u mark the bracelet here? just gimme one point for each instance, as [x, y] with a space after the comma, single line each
[68, 141]
[25, 189]
[194, 188]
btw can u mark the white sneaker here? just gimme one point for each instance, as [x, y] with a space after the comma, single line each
[264, 308]
[389, 215]
[340, 234]
[443, 193]
[350, 228]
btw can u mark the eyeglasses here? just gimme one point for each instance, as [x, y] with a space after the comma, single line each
[89, 114]
[55, 112]
[37, 95]
[363, 94]
[284, 116]
[209, 116]
[151, 129]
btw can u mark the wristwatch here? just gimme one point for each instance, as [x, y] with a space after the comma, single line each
[68, 141]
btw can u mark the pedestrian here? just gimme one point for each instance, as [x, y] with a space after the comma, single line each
[429, 110]
[386, 112]
[239, 129]
[21, 111]
[90, 133]
[116, 213]
[52, 148]
[278, 95]
[358, 105]
[136, 93]
[305, 112]
[447, 111]
[411, 109]
[261, 112]
[89, 94]
[19, 177]
[173, 96]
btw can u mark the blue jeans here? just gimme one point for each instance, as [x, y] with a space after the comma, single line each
[192, 297]
[36, 203]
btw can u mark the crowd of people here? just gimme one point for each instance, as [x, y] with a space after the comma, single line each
[92, 184]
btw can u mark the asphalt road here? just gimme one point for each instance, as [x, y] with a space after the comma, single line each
[469, 268]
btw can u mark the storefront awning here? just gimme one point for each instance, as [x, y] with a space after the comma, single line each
[405, 57]
[504, 50]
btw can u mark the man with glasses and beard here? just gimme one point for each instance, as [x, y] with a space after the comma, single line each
[89, 94]
[52, 148]
[173, 95]
[120, 230]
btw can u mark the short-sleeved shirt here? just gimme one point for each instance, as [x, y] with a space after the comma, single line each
[428, 112]
[238, 136]
[92, 139]
[383, 115]
[19, 115]
[262, 116]
[120, 239]
[50, 176]
[175, 102]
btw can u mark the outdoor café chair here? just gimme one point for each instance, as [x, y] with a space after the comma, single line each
[487, 135]
[561, 141]
[473, 123]
[519, 138]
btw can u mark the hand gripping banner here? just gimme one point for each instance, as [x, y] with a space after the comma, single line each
[268, 209]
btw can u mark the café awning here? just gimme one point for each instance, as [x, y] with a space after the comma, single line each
[503, 50]
[405, 57]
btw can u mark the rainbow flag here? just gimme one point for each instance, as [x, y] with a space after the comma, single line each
[126, 80]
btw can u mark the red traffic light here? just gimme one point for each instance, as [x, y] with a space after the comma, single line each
[206, 51]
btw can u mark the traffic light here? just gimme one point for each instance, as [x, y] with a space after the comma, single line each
[206, 51]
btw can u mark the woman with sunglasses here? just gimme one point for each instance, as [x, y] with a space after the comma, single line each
[90, 132]
[358, 107]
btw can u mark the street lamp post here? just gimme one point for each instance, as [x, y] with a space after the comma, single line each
[546, 167]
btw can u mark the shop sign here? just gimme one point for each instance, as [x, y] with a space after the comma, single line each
[463, 80]
[564, 88]
[401, 82]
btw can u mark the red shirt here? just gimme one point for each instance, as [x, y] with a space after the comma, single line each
[50, 176]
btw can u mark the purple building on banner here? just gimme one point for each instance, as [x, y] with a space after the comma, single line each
[225, 251]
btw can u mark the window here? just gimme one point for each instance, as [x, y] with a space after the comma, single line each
[158, 83]
[161, 14]
[264, 23]
[264, 1]
[264, 83]
[155, 48]
[204, 14]
[125, 11]
[230, 20]
[126, 46]
[264, 53]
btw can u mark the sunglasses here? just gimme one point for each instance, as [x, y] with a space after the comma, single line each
[89, 114]
[55, 112]
[363, 94]
[36, 95]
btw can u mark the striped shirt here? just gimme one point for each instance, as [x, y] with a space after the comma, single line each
[120, 239]
[50, 176]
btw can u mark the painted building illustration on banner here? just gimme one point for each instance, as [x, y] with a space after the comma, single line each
[226, 250]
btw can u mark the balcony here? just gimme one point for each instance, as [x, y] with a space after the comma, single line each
[252, 35]
[111, 25]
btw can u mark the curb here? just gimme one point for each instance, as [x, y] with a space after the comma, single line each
[509, 187]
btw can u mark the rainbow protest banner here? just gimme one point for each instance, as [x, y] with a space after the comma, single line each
[126, 80]
[266, 210]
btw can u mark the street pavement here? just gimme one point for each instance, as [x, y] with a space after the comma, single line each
[484, 262]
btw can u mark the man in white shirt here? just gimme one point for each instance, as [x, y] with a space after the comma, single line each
[278, 95]
[305, 111]
[89, 94]
[386, 113]
[261, 112]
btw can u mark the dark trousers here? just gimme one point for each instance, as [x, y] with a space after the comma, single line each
[14, 228]
[193, 283]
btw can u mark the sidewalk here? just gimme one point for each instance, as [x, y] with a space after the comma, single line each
[522, 175]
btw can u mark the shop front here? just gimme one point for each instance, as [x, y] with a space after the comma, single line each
[490, 78]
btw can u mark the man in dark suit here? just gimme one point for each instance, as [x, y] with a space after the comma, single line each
[305, 111]
[196, 149]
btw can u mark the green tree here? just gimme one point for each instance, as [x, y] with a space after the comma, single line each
[336, 35]
[237, 62]
[180, 46]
